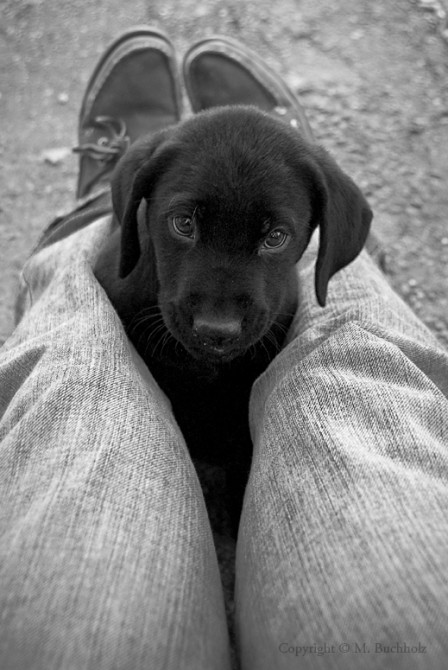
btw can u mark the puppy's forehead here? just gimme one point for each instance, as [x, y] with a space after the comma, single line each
[244, 140]
[238, 158]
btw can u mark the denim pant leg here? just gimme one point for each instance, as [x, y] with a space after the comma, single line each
[342, 558]
[106, 555]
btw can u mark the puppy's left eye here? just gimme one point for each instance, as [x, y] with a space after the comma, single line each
[276, 239]
[183, 225]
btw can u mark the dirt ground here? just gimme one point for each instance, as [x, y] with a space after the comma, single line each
[373, 77]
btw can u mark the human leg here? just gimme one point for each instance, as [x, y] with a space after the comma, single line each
[107, 555]
[343, 538]
[343, 533]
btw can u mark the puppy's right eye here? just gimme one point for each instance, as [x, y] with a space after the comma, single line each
[183, 225]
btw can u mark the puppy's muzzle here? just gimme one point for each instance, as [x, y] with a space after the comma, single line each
[217, 334]
[215, 327]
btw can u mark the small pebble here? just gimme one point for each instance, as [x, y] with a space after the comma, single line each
[55, 156]
[357, 34]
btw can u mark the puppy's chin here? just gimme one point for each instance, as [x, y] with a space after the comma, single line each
[208, 354]
[213, 355]
[209, 351]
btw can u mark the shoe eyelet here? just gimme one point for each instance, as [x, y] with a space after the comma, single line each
[294, 123]
[103, 141]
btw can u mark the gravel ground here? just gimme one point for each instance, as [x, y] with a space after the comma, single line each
[371, 75]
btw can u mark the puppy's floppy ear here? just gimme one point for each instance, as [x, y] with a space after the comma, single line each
[133, 179]
[343, 215]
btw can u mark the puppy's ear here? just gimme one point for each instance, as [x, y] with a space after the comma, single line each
[133, 179]
[343, 215]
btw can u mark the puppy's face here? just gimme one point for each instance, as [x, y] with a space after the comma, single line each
[232, 199]
[228, 222]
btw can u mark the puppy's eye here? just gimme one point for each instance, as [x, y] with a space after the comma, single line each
[183, 225]
[277, 238]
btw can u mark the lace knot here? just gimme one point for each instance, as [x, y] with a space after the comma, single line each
[110, 146]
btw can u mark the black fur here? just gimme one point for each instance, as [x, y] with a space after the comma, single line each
[208, 312]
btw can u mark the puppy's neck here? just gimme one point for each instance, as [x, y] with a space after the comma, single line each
[133, 293]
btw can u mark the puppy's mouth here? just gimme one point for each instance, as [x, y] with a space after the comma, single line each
[218, 339]
[212, 348]
[214, 351]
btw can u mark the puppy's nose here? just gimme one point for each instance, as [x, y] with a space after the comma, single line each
[217, 332]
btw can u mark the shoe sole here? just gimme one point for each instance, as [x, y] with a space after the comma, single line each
[249, 60]
[137, 38]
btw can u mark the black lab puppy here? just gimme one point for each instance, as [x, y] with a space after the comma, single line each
[212, 216]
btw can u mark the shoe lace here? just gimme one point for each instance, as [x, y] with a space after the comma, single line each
[108, 147]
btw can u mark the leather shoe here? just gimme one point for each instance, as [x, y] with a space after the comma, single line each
[134, 90]
[221, 71]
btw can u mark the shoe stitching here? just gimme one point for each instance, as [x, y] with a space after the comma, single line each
[110, 64]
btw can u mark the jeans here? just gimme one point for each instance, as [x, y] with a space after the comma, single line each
[107, 558]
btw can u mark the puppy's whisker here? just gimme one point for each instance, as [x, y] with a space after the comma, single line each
[163, 340]
[146, 323]
[270, 339]
[265, 349]
[152, 309]
[156, 332]
[149, 343]
[177, 344]
[289, 315]
[166, 341]
[147, 312]
[148, 329]
[273, 340]
[253, 350]
[260, 348]
[149, 308]
[146, 320]
[283, 329]
[159, 343]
